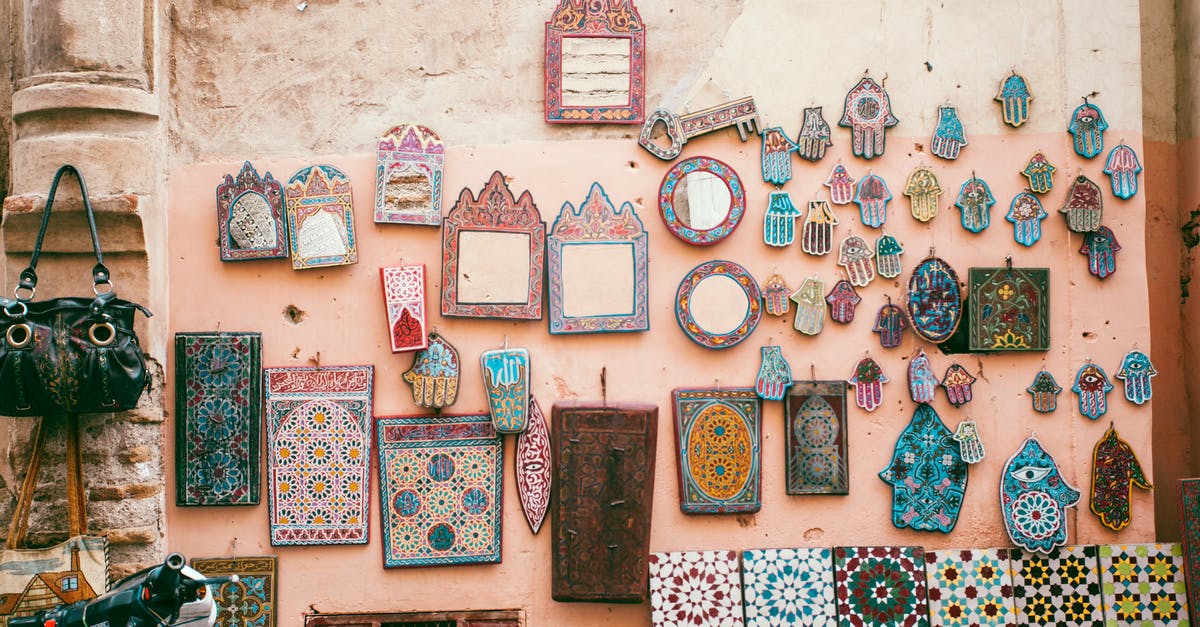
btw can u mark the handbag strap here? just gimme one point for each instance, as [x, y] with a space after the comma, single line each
[100, 275]
[18, 527]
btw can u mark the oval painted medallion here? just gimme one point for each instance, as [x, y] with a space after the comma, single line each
[934, 300]
[720, 452]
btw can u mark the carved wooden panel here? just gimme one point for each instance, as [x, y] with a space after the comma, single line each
[601, 516]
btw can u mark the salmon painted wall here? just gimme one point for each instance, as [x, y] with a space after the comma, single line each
[479, 86]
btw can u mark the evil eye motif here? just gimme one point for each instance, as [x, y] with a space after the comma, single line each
[1029, 474]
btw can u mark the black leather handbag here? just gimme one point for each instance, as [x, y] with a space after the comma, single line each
[69, 355]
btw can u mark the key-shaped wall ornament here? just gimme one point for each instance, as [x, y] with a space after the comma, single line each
[741, 114]
[1087, 126]
[949, 137]
[1122, 169]
[814, 135]
[872, 196]
[777, 149]
[818, 228]
[1014, 98]
[975, 202]
[1040, 173]
[858, 260]
[779, 222]
[506, 382]
[1101, 248]
[841, 185]
[923, 191]
[868, 115]
[887, 256]
[810, 306]
[868, 379]
[1026, 214]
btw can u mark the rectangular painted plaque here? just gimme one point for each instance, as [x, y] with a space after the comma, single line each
[816, 438]
[1189, 525]
[604, 477]
[250, 601]
[218, 418]
[1009, 309]
[404, 297]
[718, 434]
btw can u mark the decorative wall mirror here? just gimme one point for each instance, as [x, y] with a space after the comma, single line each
[493, 255]
[320, 211]
[701, 200]
[408, 179]
[250, 218]
[597, 258]
[718, 304]
[595, 63]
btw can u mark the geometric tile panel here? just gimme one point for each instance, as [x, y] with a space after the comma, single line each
[1143, 585]
[440, 480]
[788, 587]
[250, 602]
[695, 588]
[880, 586]
[970, 587]
[1061, 588]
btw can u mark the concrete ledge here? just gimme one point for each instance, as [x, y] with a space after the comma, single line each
[117, 220]
[56, 96]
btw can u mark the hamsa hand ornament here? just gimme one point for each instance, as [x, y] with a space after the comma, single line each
[1092, 386]
[1087, 126]
[506, 381]
[967, 436]
[814, 135]
[1040, 173]
[890, 324]
[868, 380]
[434, 374]
[841, 185]
[1122, 169]
[810, 306]
[1044, 392]
[1084, 206]
[818, 228]
[779, 222]
[1034, 497]
[868, 115]
[1115, 470]
[777, 149]
[1026, 214]
[842, 300]
[872, 196]
[887, 256]
[1136, 371]
[922, 383]
[949, 137]
[958, 385]
[857, 258]
[928, 475]
[774, 374]
[1014, 98]
[923, 191]
[776, 296]
[1101, 248]
[975, 202]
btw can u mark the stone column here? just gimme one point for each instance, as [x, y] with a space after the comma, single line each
[86, 91]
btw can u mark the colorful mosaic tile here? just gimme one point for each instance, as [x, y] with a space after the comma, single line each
[441, 490]
[970, 587]
[248, 602]
[1061, 588]
[218, 405]
[880, 586]
[1143, 584]
[319, 451]
[695, 588]
[788, 587]
[1189, 523]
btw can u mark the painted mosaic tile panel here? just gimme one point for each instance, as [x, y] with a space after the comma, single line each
[249, 602]
[1143, 584]
[319, 451]
[970, 587]
[788, 587]
[1189, 523]
[441, 489]
[218, 405]
[1061, 588]
[880, 586]
[816, 438]
[695, 588]
[719, 438]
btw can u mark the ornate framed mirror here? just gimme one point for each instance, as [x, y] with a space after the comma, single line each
[250, 219]
[718, 304]
[320, 215]
[595, 63]
[701, 200]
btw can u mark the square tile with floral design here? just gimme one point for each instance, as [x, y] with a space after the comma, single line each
[970, 587]
[788, 587]
[1061, 588]
[880, 585]
[689, 588]
[1143, 584]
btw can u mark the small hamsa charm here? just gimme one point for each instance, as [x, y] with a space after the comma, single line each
[890, 324]
[887, 256]
[776, 296]
[922, 383]
[841, 185]
[1084, 206]
[948, 137]
[1122, 169]
[810, 306]
[434, 374]
[1014, 98]
[872, 197]
[774, 375]
[818, 228]
[779, 222]
[1101, 248]
[1026, 214]
[958, 385]
[814, 135]
[967, 436]
[868, 380]
[923, 191]
[1092, 386]
[1044, 391]
[975, 202]
[842, 300]
[777, 149]
[1088, 126]
[1136, 371]
[1040, 173]
[856, 257]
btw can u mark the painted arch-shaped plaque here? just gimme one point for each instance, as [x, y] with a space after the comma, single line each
[934, 300]
[320, 211]
[250, 218]
[493, 255]
[598, 262]
[408, 179]
[719, 438]
[595, 63]
[1010, 309]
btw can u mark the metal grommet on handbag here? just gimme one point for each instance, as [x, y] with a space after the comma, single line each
[107, 335]
[19, 336]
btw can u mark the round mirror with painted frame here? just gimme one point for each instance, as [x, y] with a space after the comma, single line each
[701, 200]
[718, 304]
